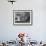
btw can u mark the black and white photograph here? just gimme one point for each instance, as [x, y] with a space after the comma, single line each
[22, 16]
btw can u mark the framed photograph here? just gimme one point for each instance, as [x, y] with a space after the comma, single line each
[22, 17]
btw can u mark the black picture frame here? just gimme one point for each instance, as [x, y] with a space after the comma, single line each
[22, 17]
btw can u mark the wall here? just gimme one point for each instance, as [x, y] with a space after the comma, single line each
[37, 31]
